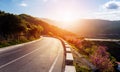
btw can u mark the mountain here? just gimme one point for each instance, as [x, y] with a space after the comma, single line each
[93, 28]
[23, 26]
[98, 28]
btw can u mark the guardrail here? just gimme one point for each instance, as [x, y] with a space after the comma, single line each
[68, 60]
[69, 67]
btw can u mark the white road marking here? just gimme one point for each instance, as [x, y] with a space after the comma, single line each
[18, 58]
[51, 69]
[1, 55]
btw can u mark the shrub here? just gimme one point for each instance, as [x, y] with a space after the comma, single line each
[100, 58]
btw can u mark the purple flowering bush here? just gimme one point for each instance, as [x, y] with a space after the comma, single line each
[100, 58]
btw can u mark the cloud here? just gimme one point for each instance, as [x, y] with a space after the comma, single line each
[112, 5]
[50, 0]
[45, 0]
[23, 4]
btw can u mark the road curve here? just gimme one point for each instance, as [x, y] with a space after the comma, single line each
[44, 55]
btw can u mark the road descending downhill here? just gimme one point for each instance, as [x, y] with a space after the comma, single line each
[44, 55]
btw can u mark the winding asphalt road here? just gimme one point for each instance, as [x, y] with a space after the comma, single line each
[43, 55]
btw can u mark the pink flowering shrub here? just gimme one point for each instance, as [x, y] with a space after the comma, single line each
[100, 58]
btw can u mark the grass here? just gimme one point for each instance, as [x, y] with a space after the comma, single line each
[13, 42]
[79, 65]
[82, 68]
[5, 43]
[2, 44]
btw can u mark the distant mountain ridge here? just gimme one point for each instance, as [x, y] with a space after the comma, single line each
[98, 28]
[93, 28]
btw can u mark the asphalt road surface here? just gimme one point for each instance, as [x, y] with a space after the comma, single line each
[43, 55]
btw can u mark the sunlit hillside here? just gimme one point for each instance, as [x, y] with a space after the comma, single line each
[21, 28]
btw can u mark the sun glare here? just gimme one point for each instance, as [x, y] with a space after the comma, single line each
[67, 17]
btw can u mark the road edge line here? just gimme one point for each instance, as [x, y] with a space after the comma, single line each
[53, 64]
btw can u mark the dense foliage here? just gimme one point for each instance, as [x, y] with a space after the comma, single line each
[15, 29]
[21, 28]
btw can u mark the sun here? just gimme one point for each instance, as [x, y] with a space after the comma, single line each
[68, 17]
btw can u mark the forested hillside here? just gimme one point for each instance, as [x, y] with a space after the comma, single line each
[21, 28]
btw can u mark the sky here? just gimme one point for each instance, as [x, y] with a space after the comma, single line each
[64, 9]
